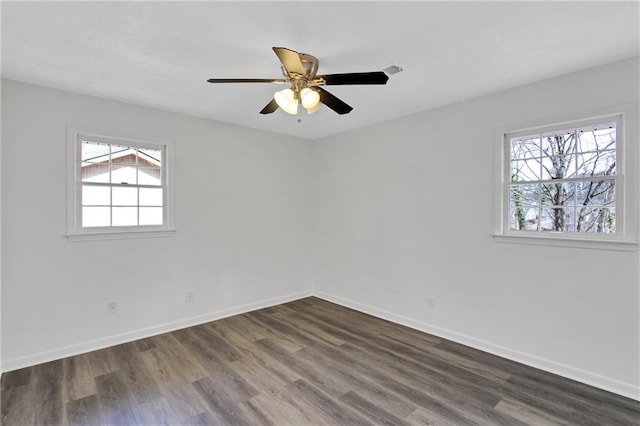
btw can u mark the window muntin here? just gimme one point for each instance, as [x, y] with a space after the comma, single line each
[563, 180]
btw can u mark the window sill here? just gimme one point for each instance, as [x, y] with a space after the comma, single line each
[119, 235]
[583, 243]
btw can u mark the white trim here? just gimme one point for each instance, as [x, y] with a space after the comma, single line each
[626, 182]
[129, 336]
[593, 379]
[114, 235]
[74, 231]
[583, 243]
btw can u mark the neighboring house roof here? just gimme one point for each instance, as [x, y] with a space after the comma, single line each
[127, 152]
[93, 168]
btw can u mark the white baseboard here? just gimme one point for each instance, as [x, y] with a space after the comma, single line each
[92, 345]
[625, 389]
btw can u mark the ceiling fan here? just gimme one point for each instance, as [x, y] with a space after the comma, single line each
[299, 71]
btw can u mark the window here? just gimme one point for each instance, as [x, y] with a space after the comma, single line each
[118, 187]
[565, 182]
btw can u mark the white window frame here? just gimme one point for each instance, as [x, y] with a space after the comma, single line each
[626, 235]
[75, 231]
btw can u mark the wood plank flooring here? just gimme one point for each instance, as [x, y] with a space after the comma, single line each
[307, 362]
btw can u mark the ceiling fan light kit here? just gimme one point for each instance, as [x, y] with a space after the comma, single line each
[288, 100]
[300, 71]
[310, 98]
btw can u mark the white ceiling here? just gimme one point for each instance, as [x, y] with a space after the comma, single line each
[160, 54]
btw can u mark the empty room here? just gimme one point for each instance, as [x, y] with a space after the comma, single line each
[314, 213]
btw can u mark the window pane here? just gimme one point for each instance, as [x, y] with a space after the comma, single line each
[149, 176]
[123, 174]
[600, 193]
[524, 194]
[602, 163]
[125, 196]
[151, 196]
[94, 151]
[597, 138]
[95, 172]
[125, 216]
[558, 167]
[547, 171]
[559, 143]
[153, 156]
[123, 155]
[96, 216]
[558, 194]
[525, 218]
[570, 219]
[596, 220]
[524, 202]
[150, 215]
[525, 147]
[96, 195]
[525, 170]
[558, 200]
[555, 218]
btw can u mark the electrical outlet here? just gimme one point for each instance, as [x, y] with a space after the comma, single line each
[431, 302]
[188, 297]
[112, 307]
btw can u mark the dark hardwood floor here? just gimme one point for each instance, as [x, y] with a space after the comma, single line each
[307, 362]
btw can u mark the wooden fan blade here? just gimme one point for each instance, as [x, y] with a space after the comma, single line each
[290, 59]
[333, 102]
[247, 80]
[376, 77]
[271, 107]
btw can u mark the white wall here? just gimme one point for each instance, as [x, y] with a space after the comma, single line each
[241, 214]
[393, 229]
